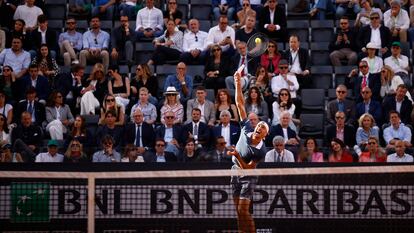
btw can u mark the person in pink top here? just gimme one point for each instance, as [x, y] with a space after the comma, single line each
[339, 154]
[374, 152]
[310, 152]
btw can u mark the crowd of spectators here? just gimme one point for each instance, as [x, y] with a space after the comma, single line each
[43, 109]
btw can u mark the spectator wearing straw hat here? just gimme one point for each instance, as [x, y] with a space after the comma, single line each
[397, 20]
[52, 155]
[172, 104]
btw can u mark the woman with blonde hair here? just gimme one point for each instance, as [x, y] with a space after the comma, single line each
[366, 129]
[110, 103]
[390, 82]
[94, 90]
[172, 104]
[74, 153]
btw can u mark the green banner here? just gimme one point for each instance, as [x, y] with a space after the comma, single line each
[30, 202]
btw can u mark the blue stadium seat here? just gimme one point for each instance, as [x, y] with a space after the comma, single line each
[320, 54]
[313, 100]
[205, 25]
[296, 15]
[300, 28]
[341, 72]
[321, 30]
[56, 9]
[200, 9]
[321, 76]
[312, 125]
[143, 52]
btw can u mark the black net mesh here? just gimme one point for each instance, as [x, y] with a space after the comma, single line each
[257, 44]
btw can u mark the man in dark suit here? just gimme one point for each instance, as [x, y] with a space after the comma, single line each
[39, 82]
[197, 129]
[50, 38]
[341, 130]
[364, 36]
[139, 133]
[299, 62]
[272, 21]
[236, 61]
[109, 128]
[341, 104]
[70, 86]
[357, 81]
[400, 103]
[27, 138]
[291, 139]
[368, 105]
[171, 133]
[219, 153]
[31, 105]
[160, 155]
[122, 41]
[230, 132]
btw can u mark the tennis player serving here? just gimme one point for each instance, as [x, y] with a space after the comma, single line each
[249, 151]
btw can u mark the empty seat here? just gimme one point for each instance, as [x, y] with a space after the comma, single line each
[144, 51]
[200, 9]
[320, 53]
[322, 30]
[56, 25]
[341, 72]
[194, 70]
[313, 99]
[82, 25]
[321, 76]
[107, 25]
[300, 28]
[55, 9]
[165, 70]
[91, 119]
[312, 125]
[291, 4]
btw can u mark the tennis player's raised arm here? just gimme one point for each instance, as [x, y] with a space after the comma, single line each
[239, 96]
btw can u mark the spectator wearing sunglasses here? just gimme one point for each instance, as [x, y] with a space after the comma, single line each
[357, 80]
[108, 154]
[284, 80]
[341, 104]
[160, 155]
[171, 133]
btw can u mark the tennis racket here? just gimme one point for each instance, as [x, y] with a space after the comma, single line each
[256, 46]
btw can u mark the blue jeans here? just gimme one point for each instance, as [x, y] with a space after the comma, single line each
[127, 10]
[108, 14]
[324, 6]
[156, 33]
[217, 13]
[343, 8]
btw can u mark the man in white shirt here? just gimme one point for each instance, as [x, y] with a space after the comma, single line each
[397, 20]
[16, 58]
[284, 80]
[399, 63]
[399, 156]
[29, 13]
[230, 132]
[223, 35]
[299, 62]
[279, 154]
[52, 155]
[193, 44]
[149, 23]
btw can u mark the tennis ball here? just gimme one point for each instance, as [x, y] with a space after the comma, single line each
[258, 40]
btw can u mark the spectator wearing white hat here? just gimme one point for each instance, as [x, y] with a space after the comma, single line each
[375, 63]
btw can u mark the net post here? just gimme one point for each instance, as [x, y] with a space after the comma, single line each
[91, 203]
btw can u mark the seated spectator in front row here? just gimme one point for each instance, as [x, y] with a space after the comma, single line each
[27, 138]
[219, 153]
[75, 153]
[52, 155]
[191, 153]
[310, 152]
[147, 108]
[7, 156]
[33, 106]
[373, 153]
[400, 103]
[108, 154]
[160, 155]
[397, 131]
[95, 44]
[168, 46]
[341, 130]
[339, 153]
[131, 155]
[367, 128]
[341, 104]
[279, 154]
[208, 111]
[399, 63]
[170, 132]
[368, 105]
[15, 57]
[400, 156]
[230, 132]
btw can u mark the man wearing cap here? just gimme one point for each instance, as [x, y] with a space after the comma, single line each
[343, 45]
[182, 82]
[52, 155]
[397, 20]
[399, 63]
[358, 80]
[375, 33]
[249, 151]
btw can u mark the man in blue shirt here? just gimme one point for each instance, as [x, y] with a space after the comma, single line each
[183, 83]
[249, 151]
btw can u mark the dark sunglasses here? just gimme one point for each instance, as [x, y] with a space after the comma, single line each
[70, 22]
[170, 94]
[339, 117]
[284, 94]
[246, 4]
[375, 17]
[139, 69]
[340, 92]
[172, 3]
[215, 50]
[283, 67]
[366, 92]
[270, 46]
[110, 100]
[196, 39]
[169, 117]
[96, 41]
[75, 145]
[160, 145]
[6, 69]
[361, 67]
[221, 143]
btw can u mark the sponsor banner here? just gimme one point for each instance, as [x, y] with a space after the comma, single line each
[22, 202]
